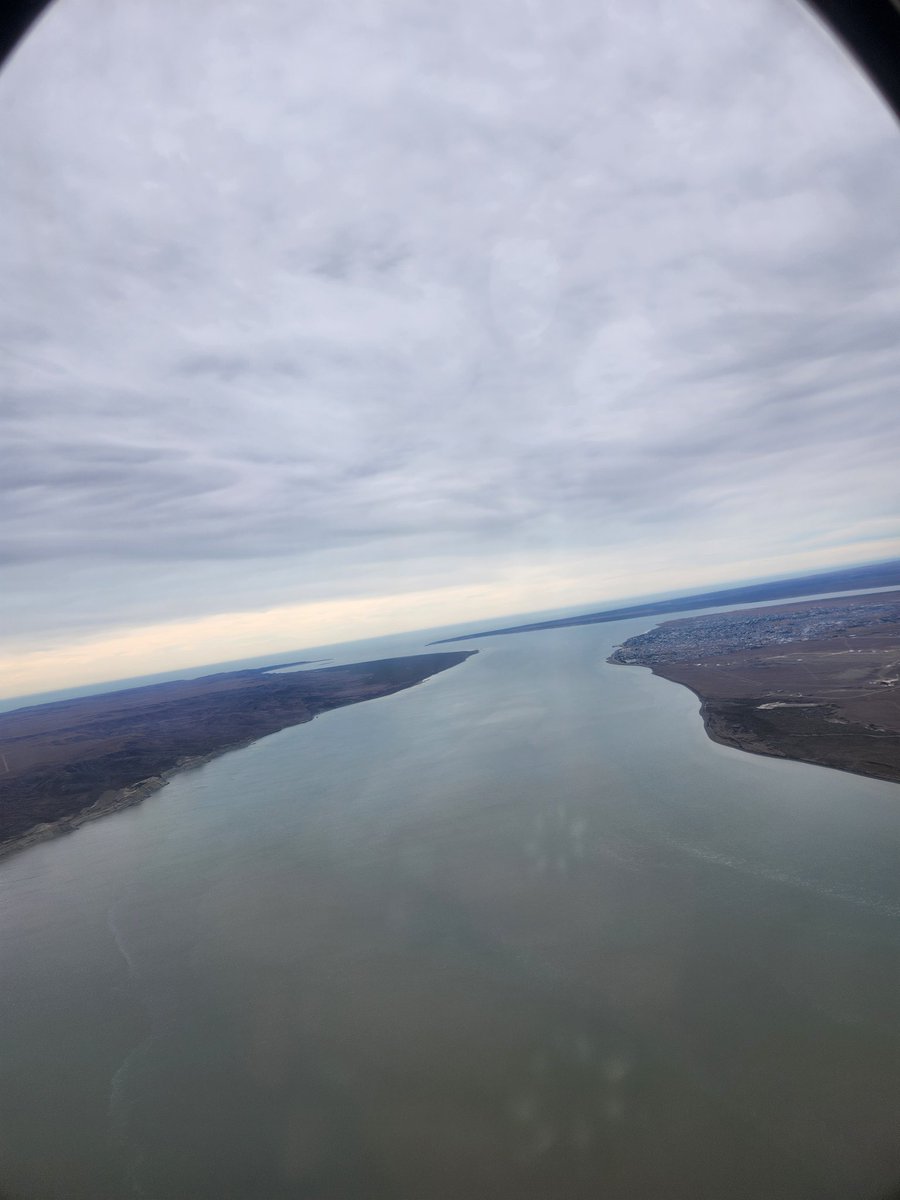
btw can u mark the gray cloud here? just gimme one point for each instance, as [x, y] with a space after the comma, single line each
[315, 300]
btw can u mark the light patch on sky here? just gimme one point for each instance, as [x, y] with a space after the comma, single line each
[64, 661]
[321, 321]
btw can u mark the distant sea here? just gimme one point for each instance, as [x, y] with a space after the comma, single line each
[367, 649]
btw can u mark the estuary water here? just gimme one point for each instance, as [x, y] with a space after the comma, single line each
[520, 932]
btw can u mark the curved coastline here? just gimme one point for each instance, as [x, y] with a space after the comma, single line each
[112, 801]
[72, 762]
[813, 681]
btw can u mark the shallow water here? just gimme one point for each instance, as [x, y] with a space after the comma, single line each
[522, 931]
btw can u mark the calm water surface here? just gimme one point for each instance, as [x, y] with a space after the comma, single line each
[521, 932]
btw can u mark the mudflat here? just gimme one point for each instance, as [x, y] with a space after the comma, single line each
[815, 680]
[64, 763]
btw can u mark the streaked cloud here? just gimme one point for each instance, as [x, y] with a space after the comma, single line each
[335, 305]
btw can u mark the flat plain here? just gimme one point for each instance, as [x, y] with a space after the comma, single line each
[817, 680]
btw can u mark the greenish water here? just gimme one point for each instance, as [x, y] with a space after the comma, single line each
[520, 932]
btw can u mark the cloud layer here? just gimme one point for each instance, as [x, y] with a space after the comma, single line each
[306, 302]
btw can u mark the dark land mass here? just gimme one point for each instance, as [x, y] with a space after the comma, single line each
[71, 761]
[885, 574]
[817, 681]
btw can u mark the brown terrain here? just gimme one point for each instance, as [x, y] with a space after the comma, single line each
[65, 763]
[815, 680]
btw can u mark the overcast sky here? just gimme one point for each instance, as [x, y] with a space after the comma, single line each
[361, 317]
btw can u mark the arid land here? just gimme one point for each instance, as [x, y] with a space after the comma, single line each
[817, 680]
[72, 761]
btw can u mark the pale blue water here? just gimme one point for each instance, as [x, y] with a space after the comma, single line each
[522, 931]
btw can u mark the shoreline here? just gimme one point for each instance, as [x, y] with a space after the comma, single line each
[79, 760]
[874, 577]
[113, 801]
[813, 681]
[718, 730]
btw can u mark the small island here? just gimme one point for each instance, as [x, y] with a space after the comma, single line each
[66, 763]
[817, 680]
